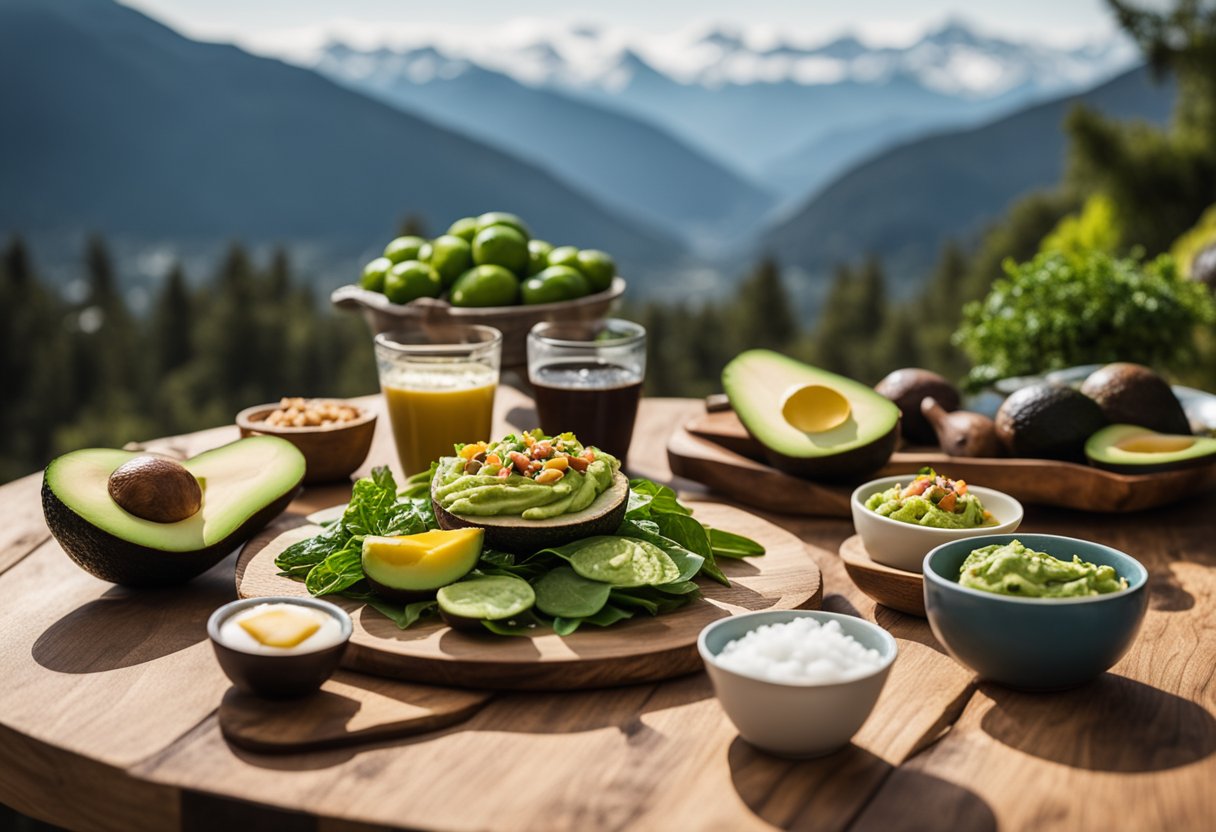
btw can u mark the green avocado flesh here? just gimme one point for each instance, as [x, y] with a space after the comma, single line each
[1135, 450]
[758, 383]
[1017, 571]
[410, 573]
[245, 484]
[492, 598]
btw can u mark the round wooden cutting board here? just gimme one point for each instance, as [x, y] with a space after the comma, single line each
[643, 649]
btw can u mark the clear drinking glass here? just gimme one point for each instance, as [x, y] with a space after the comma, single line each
[587, 377]
[439, 383]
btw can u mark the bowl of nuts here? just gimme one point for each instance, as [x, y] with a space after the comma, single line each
[333, 434]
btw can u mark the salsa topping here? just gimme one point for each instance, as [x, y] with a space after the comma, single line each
[932, 500]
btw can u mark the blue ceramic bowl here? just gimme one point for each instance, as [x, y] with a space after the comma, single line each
[1034, 643]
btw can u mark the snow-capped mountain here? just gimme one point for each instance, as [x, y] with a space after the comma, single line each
[751, 98]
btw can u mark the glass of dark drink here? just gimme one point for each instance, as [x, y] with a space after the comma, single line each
[587, 379]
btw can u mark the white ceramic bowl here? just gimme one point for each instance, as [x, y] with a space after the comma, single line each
[904, 545]
[789, 719]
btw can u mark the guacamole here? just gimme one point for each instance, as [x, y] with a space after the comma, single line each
[530, 475]
[1013, 569]
[932, 500]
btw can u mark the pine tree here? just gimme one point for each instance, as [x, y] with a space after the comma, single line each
[172, 322]
[765, 313]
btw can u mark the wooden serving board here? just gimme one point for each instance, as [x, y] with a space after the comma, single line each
[891, 587]
[724, 456]
[350, 709]
[643, 649]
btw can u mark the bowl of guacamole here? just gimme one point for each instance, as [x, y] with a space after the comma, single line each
[901, 518]
[1034, 611]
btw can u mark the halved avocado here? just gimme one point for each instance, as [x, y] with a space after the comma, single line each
[245, 485]
[811, 422]
[515, 534]
[412, 566]
[1130, 449]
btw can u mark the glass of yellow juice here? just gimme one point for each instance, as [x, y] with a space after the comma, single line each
[438, 383]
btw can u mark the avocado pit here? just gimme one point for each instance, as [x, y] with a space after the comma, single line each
[156, 489]
[815, 408]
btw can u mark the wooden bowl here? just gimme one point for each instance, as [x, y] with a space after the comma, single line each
[331, 452]
[891, 587]
[514, 322]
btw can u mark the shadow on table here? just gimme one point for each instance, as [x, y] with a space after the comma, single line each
[850, 788]
[1111, 724]
[126, 627]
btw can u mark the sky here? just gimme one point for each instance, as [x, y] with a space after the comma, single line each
[278, 26]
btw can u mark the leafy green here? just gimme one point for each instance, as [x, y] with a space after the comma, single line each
[648, 498]
[1058, 310]
[689, 563]
[341, 570]
[731, 545]
[692, 536]
[604, 617]
[563, 593]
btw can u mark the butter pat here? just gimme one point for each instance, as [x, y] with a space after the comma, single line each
[280, 628]
[283, 627]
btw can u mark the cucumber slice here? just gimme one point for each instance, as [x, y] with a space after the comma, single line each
[624, 561]
[465, 604]
[563, 593]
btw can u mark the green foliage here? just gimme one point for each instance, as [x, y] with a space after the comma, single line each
[93, 373]
[1095, 228]
[1055, 311]
[855, 310]
[1202, 235]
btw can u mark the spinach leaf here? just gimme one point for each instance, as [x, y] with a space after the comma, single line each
[679, 588]
[689, 563]
[692, 536]
[647, 499]
[649, 599]
[298, 559]
[563, 593]
[524, 624]
[731, 545]
[605, 617]
[419, 485]
[341, 570]
[566, 626]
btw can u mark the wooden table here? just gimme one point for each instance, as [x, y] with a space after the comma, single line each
[108, 704]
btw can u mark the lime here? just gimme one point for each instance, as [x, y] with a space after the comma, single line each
[374, 272]
[485, 286]
[410, 280]
[597, 267]
[450, 257]
[424, 253]
[564, 256]
[404, 248]
[465, 228]
[538, 255]
[492, 218]
[554, 284]
[499, 245]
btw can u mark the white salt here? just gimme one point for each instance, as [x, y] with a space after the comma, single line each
[801, 651]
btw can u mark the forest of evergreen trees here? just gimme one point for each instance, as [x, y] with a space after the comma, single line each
[88, 371]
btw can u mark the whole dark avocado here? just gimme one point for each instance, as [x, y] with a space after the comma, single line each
[908, 388]
[1203, 267]
[1048, 421]
[1131, 394]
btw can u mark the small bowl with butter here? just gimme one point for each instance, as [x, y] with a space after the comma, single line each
[279, 647]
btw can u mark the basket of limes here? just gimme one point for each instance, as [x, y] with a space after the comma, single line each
[483, 270]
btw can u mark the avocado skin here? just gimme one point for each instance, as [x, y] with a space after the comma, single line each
[1132, 394]
[514, 534]
[1155, 463]
[848, 467]
[1048, 421]
[119, 561]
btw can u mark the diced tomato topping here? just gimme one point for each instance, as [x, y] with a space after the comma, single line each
[948, 502]
[493, 459]
[578, 463]
[503, 473]
[520, 461]
[542, 450]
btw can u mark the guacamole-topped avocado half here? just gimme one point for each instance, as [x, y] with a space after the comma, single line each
[529, 475]
[932, 500]
[1014, 570]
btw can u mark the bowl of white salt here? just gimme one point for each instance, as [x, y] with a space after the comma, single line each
[797, 683]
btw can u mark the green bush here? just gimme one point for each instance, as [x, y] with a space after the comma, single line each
[1057, 311]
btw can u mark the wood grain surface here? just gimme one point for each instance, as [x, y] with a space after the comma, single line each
[729, 461]
[643, 649]
[109, 717]
[891, 587]
[351, 708]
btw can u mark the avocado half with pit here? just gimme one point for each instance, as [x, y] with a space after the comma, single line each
[811, 422]
[112, 511]
[1130, 449]
[515, 534]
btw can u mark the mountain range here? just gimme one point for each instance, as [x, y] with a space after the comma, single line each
[768, 107]
[117, 124]
[905, 203]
